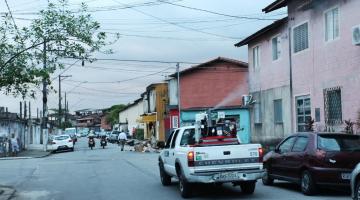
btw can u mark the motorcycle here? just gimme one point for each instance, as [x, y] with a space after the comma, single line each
[91, 143]
[103, 142]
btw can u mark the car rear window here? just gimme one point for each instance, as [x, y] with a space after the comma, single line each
[188, 137]
[63, 137]
[339, 142]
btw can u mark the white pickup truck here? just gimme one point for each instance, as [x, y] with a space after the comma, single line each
[215, 159]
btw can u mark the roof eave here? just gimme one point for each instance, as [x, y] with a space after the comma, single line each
[275, 5]
[261, 32]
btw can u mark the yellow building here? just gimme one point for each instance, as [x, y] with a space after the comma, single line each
[155, 100]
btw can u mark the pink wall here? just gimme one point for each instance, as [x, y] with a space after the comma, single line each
[208, 87]
[323, 65]
[328, 64]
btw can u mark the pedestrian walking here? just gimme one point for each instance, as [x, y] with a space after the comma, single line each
[14, 145]
[122, 139]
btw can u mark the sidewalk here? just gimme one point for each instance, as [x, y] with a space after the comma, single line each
[28, 154]
[6, 193]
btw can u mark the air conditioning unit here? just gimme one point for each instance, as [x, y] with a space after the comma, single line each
[246, 100]
[356, 35]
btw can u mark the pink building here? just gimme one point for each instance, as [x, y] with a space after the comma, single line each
[317, 79]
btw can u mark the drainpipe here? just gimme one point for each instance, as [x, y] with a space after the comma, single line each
[178, 90]
[291, 83]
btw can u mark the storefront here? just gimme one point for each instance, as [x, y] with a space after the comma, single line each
[150, 125]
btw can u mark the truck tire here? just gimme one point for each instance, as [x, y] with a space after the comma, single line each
[184, 187]
[164, 177]
[308, 186]
[248, 187]
[266, 179]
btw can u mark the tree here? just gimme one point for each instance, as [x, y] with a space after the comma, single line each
[112, 114]
[60, 32]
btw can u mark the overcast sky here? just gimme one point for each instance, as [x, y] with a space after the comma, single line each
[158, 32]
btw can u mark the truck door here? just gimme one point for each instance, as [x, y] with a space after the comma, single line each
[172, 156]
[167, 152]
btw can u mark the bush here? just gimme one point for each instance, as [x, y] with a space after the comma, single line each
[139, 134]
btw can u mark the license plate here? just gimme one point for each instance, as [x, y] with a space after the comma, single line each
[346, 176]
[229, 176]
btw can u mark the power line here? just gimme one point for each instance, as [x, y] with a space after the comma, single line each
[12, 18]
[216, 13]
[103, 8]
[179, 25]
[146, 61]
[121, 81]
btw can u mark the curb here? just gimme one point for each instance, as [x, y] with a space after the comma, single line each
[25, 157]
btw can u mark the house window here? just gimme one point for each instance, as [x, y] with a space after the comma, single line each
[275, 48]
[332, 24]
[257, 113]
[256, 56]
[301, 37]
[303, 112]
[332, 105]
[278, 111]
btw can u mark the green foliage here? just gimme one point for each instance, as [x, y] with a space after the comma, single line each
[63, 32]
[65, 125]
[310, 125]
[139, 134]
[349, 127]
[112, 114]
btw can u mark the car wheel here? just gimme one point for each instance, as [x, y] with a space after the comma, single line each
[184, 187]
[357, 191]
[308, 186]
[164, 177]
[266, 179]
[248, 187]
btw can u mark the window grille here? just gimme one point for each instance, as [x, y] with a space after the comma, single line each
[333, 106]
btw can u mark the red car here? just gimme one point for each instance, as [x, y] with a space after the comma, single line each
[313, 159]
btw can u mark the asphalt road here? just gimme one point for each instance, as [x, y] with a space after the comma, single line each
[106, 174]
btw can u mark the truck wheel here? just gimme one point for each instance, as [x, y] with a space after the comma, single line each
[185, 187]
[308, 186]
[266, 179]
[248, 187]
[164, 177]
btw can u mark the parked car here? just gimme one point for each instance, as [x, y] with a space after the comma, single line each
[61, 142]
[215, 159]
[313, 159]
[114, 137]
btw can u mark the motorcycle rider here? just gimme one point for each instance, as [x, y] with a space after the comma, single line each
[122, 139]
[103, 141]
[91, 138]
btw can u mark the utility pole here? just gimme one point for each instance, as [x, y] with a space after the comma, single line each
[44, 132]
[59, 112]
[65, 110]
[60, 109]
[178, 89]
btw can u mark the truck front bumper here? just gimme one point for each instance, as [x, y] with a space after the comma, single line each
[225, 176]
